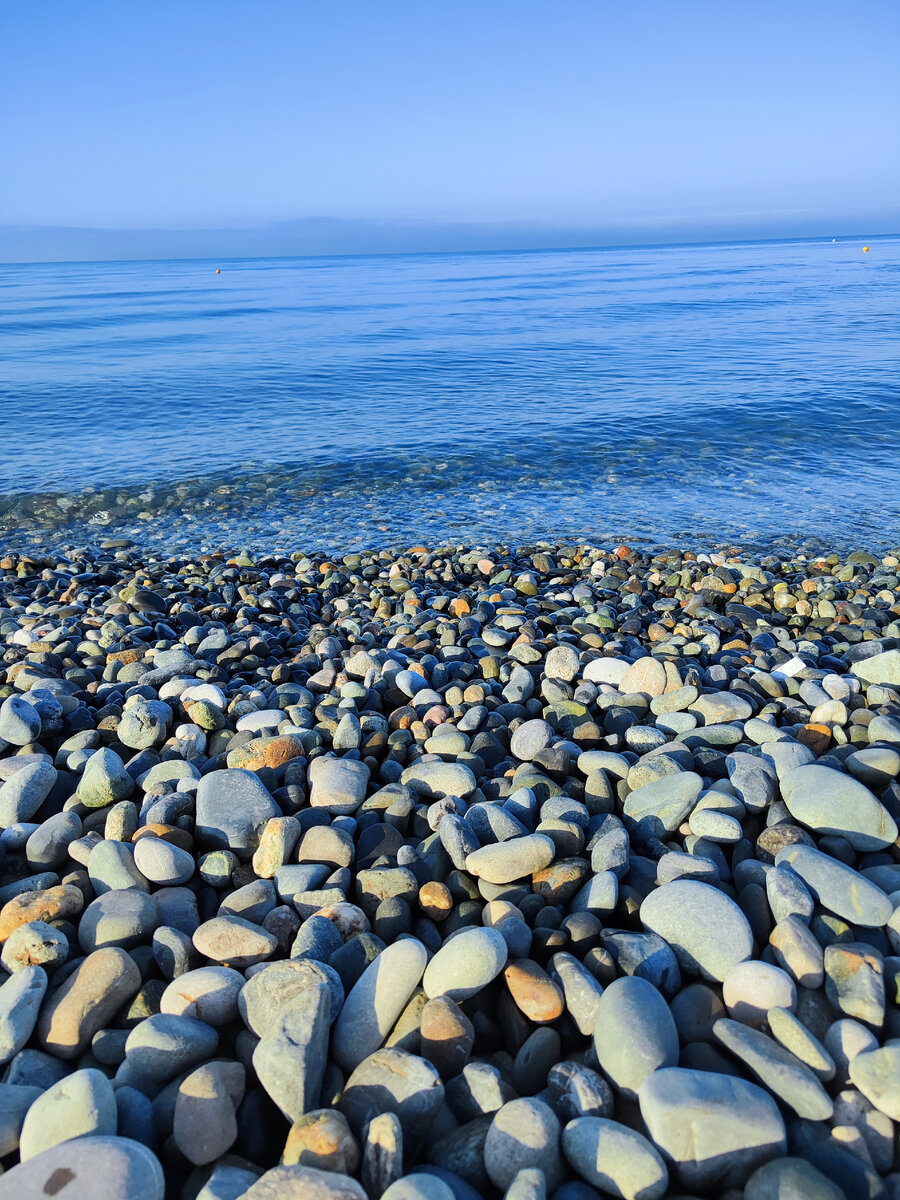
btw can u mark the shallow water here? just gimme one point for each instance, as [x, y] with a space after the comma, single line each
[741, 393]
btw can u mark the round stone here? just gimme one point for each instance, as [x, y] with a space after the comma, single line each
[517, 858]
[162, 862]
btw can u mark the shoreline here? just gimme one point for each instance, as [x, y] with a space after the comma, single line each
[319, 872]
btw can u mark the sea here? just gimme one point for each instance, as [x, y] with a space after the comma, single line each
[741, 395]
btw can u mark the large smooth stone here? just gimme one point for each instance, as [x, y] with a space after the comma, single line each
[838, 887]
[98, 1168]
[437, 779]
[517, 858]
[660, 807]
[615, 1159]
[716, 1129]
[877, 1075]
[831, 802]
[791, 1179]
[393, 1081]
[290, 1058]
[777, 1069]
[232, 808]
[20, 1003]
[376, 1001]
[634, 1033]
[465, 964]
[523, 1134]
[705, 928]
[79, 1105]
[87, 1001]
[338, 784]
[304, 1183]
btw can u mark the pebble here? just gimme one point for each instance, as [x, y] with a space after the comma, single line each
[546, 830]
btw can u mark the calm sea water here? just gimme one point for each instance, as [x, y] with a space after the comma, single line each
[741, 393]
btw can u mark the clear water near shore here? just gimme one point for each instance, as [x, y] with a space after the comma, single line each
[741, 393]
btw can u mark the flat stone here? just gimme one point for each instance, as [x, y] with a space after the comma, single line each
[705, 928]
[124, 918]
[104, 1168]
[647, 675]
[751, 988]
[35, 944]
[715, 1129]
[634, 1034]
[272, 988]
[831, 802]
[615, 1159]
[465, 964]
[234, 941]
[162, 862]
[523, 1134]
[20, 722]
[435, 780]
[838, 887]
[376, 1001]
[854, 981]
[208, 994]
[518, 858]
[533, 991]
[777, 1069]
[232, 808]
[879, 668]
[290, 1058]
[23, 795]
[530, 738]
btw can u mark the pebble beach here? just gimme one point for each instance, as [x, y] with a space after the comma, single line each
[543, 872]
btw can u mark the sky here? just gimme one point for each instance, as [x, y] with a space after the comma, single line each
[216, 124]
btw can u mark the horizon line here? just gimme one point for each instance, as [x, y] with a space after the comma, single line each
[605, 246]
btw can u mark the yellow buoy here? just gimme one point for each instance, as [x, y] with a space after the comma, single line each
[218, 272]
[865, 249]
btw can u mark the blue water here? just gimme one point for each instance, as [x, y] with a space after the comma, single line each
[740, 393]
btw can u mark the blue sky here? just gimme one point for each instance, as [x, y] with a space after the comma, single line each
[582, 115]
